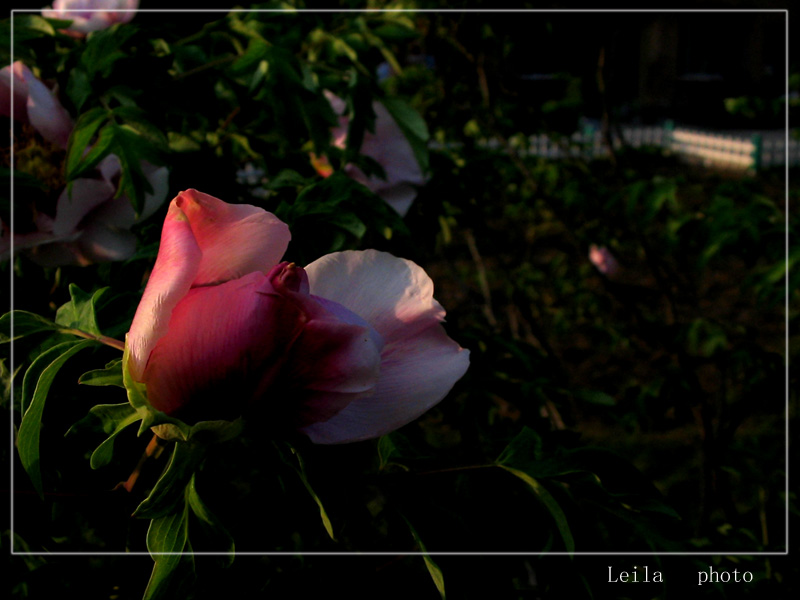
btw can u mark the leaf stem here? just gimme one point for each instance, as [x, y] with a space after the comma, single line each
[453, 469]
[99, 338]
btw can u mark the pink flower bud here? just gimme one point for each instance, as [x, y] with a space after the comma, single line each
[349, 348]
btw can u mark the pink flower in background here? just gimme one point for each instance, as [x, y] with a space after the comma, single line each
[349, 348]
[89, 224]
[389, 148]
[603, 260]
[92, 15]
[34, 104]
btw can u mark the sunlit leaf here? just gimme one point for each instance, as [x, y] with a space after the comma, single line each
[167, 540]
[79, 313]
[300, 469]
[110, 375]
[434, 569]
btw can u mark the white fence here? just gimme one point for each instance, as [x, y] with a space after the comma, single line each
[735, 151]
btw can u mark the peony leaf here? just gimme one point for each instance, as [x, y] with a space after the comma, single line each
[41, 373]
[79, 313]
[132, 146]
[300, 469]
[168, 492]
[433, 568]
[110, 375]
[210, 524]
[103, 50]
[550, 503]
[81, 138]
[79, 88]
[522, 458]
[98, 151]
[24, 323]
[114, 419]
[167, 541]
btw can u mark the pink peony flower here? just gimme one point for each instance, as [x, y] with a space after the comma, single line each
[347, 349]
[389, 148]
[603, 260]
[34, 104]
[92, 15]
[89, 224]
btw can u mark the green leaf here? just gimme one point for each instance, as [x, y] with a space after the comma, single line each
[131, 147]
[79, 89]
[114, 419]
[413, 127]
[25, 323]
[394, 32]
[44, 370]
[99, 150]
[433, 568]
[523, 450]
[300, 469]
[211, 524]
[392, 447]
[168, 491]
[596, 397]
[522, 459]
[103, 50]
[111, 375]
[34, 24]
[79, 313]
[137, 119]
[550, 503]
[81, 137]
[204, 432]
[167, 539]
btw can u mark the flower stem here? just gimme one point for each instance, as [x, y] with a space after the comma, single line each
[153, 448]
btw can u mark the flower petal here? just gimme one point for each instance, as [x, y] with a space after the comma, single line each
[400, 197]
[419, 363]
[391, 149]
[235, 239]
[393, 295]
[341, 351]
[225, 344]
[91, 15]
[46, 113]
[100, 242]
[118, 212]
[176, 268]
[416, 373]
[72, 207]
[15, 72]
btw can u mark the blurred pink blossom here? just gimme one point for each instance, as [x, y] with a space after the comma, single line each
[349, 348]
[389, 148]
[92, 15]
[603, 260]
[89, 224]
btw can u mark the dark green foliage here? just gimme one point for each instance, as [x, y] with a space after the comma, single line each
[641, 410]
